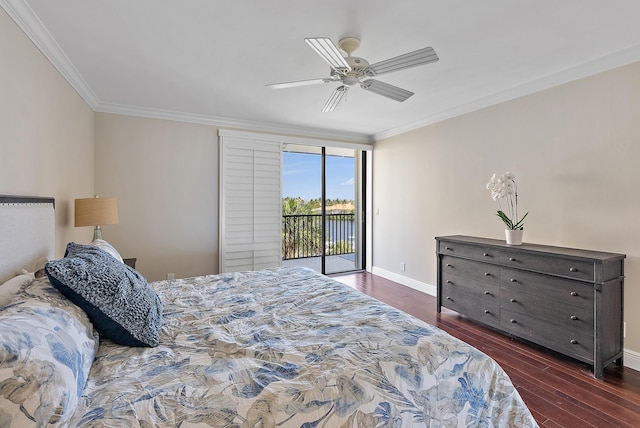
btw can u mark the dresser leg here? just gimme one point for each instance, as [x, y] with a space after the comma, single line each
[598, 371]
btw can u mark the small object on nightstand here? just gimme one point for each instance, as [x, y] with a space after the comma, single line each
[130, 262]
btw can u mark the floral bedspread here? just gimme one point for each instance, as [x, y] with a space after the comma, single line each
[288, 347]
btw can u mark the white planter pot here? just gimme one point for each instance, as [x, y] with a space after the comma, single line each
[514, 237]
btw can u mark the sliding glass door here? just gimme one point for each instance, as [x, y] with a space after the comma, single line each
[341, 232]
[322, 225]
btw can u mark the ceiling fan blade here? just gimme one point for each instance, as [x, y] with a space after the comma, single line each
[335, 98]
[408, 60]
[329, 52]
[302, 83]
[386, 90]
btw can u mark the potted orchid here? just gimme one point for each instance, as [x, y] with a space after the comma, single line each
[504, 187]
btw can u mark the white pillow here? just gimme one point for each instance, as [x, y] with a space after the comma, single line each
[105, 246]
[35, 269]
[48, 346]
[8, 289]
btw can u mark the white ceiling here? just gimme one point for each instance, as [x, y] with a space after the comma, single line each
[208, 60]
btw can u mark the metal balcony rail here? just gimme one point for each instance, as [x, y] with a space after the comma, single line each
[302, 235]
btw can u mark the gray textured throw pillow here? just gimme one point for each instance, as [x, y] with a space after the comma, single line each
[117, 299]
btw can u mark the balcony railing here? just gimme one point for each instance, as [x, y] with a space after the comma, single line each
[302, 235]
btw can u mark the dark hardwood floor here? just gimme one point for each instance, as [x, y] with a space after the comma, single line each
[559, 391]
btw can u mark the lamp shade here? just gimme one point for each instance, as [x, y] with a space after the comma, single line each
[96, 211]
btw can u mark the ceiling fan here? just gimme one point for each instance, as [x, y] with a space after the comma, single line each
[352, 70]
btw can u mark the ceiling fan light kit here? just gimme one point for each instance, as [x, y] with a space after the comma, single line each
[352, 70]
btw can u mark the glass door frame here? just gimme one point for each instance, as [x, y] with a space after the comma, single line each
[360, 204]
[361, 190]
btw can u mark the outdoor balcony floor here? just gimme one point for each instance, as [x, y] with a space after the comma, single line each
[334, 264]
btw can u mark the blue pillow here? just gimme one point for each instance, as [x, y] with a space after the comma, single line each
[117, 299]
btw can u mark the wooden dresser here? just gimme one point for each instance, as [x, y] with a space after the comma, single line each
[567, 300]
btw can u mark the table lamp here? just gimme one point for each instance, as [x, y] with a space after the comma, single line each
[96, 212]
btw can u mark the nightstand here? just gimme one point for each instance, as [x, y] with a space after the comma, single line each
[130, 262]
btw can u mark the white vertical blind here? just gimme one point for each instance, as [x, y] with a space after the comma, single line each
[250, 203]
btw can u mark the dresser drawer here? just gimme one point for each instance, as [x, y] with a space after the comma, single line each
[478, 290]
[569, 268]
[575, 319]
[565, 291]
[573, 344]
[486, 254]
[484, 311]
[478, 271]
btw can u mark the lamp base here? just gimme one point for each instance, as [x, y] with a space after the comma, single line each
[97, 233]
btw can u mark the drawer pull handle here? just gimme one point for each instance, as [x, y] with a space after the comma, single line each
[487, 311]
[573, 269]
[487, 293]
[486, 254]
[513, 280]
[449, 265]
[574, 342]
[574, 294]
[447, 248]
[487, 274]
[512, 259]
[449, 298]
[514, 301]
[514, 321]
[449, 281]
[573, 317]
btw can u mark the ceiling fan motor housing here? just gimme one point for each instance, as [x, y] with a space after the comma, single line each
[359, 69]
[357, 62]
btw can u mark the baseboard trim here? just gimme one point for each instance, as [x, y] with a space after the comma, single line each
[408, 282]
[631, 358]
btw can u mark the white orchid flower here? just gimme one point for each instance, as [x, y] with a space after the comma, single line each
[504, 186]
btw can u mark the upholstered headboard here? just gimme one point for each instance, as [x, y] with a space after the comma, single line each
[27, 233]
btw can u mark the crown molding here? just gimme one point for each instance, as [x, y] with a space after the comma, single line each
[233, 123]
[608, 62]
[31, 25]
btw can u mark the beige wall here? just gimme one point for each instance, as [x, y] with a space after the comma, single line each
[575, 151]
[46, 131]
[164, 175]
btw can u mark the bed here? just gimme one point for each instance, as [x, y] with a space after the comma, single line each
[277, 347]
